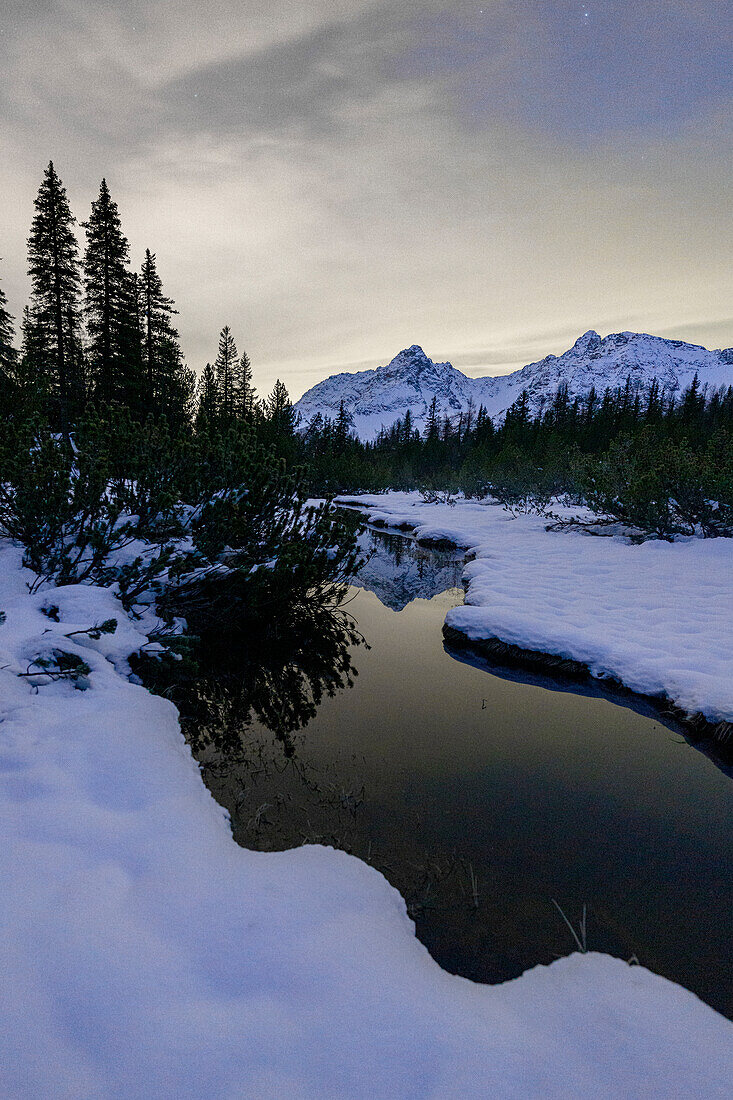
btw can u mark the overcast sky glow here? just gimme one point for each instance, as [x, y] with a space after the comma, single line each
[339, 179]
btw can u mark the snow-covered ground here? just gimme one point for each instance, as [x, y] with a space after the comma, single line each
[658, 616]
[143, 954]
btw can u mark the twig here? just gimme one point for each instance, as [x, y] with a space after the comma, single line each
[581, 940]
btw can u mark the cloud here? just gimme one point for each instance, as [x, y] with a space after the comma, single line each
[579, 71]
[340, 180]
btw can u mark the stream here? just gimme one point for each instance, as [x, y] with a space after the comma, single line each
[488, 798]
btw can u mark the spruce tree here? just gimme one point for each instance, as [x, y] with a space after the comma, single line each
[247, 398]
[341, 429]
[208, 399]
[227, 368]
[110, 309]
[53, 266]
[693, 403]
[316, 431]
[168, 382]
[470, 416]
[432, 423]
[32, 348]
[8, 361]
[280, 417]
[8, 351]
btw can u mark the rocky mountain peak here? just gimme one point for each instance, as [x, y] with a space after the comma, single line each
[588, 342]
[375, 399]
[411, 361]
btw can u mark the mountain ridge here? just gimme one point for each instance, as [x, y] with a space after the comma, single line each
[376, 398]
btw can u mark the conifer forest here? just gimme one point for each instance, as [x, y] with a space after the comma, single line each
[109, 436]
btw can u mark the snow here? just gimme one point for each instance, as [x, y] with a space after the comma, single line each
[375, 399]
[658, 616]
[144, 954]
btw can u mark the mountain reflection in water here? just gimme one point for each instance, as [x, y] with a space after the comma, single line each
[397, 570]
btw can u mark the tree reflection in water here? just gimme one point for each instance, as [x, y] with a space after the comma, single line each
[273, 668]
[463, 808]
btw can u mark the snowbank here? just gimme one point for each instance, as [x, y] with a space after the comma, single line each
[144, 954]
[658, 617]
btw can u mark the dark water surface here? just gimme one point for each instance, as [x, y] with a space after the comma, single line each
[483, 797]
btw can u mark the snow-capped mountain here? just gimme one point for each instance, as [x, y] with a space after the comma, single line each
[399, 571]
[376, 398]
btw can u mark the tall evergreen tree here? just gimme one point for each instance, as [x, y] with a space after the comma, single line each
[110, 308]
[168, 382]
[227, 368]
[470, 416]
[693, 403]
[33, 345]
[247, 398]
[208, 399]
[432, 422]
[280, 413]
[8, 351]
[8, 360]
[517, 418]
[53, 266]
[342, 429]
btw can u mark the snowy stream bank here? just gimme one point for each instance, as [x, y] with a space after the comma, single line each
[144, 954]
[657, 617]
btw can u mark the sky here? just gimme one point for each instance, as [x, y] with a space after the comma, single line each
[340, 179]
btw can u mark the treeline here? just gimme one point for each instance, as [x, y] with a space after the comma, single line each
[94, 331]
[117, 467]
[99, 388]
[97, 333]
[659, 462]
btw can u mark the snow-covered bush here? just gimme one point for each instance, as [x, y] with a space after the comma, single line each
[144, 509]
[661, 487]
[56, 499]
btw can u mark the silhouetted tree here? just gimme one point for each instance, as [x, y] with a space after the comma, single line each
[53, 266]
[432, 422]
[246, 397]
[8, 351]
[208, 399]
[169, 384]
[227, 368]
[341, 429]
[113, 355]
[279, 425]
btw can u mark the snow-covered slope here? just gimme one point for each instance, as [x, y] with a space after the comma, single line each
[145, 955]
[376, 398]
